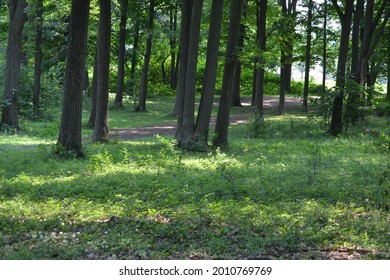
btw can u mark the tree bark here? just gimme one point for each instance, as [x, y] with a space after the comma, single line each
[236, 100]
[92, 116]
[222, 125]
[38, 58]
[187, 128]
[261, 42]
[368, 44]
[308, 56]
[324, 52]
[173, 43]
[185, 25]
[118, 103]
[134, 57]
[336, 125]
[10, 113]
[101, 127]
[210, 75]
[70, 128]
[288, 19]
[141, 107]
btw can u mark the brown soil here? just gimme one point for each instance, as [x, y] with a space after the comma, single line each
[270, 107]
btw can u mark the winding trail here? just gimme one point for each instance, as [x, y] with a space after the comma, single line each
[270, 107]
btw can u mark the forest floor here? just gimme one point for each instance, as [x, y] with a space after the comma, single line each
[284, 190]
[270, 107]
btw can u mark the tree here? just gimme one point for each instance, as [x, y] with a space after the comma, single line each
[70, 128]
[324, 50]
[308, 56]
[185, 25]
[17, 15]
[336, 124]
[187, 125]
[222, 125]
[101, 127]
[134, 56]
[118, 103]
[172, 44]
[236, 100]
[38, 57]
[369, 41]
[92, 116]
[261, 20]
[210, 75]
[288, 23]
[141, 107]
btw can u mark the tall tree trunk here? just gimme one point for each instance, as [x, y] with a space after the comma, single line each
[38, 58]
[187, 128]
[336, 125]
[288, 19]
[185, 25]
[172, 43]
[261, 42]
[282, 88]
[141, 107]
[10, 115]
[388, 66]
[101, 127]
[92, 116]
[236, 100]
[357, 17]
[134, 57]
[222, 125]
[210, 75]
[308, 55]
[118, 103]
[368, 44]
[324, 52]
[70, 128]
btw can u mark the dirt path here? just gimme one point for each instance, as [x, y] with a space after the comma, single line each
[270, 107]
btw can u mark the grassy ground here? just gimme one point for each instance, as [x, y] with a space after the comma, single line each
[290, 193]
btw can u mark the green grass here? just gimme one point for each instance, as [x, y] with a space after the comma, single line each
[290, 193]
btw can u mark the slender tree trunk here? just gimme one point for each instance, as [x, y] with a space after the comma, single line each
[308, 56]
[261, 42]
[388, 66]
[141, 107]
[118, 103]
[134, 58]
[336, 125]
[185, 25]
[210, 76]
[92, 116]
[368, 44]
[70, 128]
[10, 115]
[324, 52]
[282, 88]
[101, 127]
[38, 58]
[357, 16]
[222, 125]
[188, 125]
[288, 19]
[236, 100]
[172, 43]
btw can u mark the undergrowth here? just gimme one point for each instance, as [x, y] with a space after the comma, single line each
[283, 191]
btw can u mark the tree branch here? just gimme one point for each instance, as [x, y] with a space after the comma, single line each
[338, 9]
[379, 14]
[375, 41]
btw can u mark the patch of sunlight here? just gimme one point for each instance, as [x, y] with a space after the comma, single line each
[17, 140]
[79, 210]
